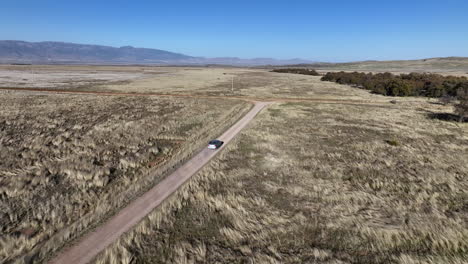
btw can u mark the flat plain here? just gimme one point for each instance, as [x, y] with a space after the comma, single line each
[365, 179]
[320, 183]
[70, 160]
[447, 66]
[246, 83]
[71, 77]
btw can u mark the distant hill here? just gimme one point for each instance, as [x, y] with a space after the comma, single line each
[44, 52]
[250, 62]
[12, 51]
[447, 64]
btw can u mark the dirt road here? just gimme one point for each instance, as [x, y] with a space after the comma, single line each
[96, 241]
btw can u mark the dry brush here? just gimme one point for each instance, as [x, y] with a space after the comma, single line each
[69, 161]
[319, 184]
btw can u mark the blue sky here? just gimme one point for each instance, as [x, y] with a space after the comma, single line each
[316, 30]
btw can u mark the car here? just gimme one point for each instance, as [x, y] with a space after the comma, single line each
[215, 144]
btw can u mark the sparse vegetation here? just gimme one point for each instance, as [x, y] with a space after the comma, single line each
[248, 83]
[292, 191]
[69, 77]
[305, 183]
[392, 142]
[68, 161]
[458, 65]
[413, 84]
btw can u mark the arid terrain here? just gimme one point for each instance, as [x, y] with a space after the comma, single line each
[328, 173]
[446, 65]
[71, 77]
[320, 183]
[255, 84]
[69, 160]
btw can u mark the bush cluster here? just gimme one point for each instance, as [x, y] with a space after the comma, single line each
[462, 107]
[413, 84]
[298, 71]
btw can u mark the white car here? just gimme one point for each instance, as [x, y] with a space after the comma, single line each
[215, 144]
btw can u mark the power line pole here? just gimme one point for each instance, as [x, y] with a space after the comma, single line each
[232, 84]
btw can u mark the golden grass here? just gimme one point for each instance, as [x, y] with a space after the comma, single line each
[69, 161]
[305, 183]
[260, 84]
[204, 81]
[449, 66]
[68, 77]
[317, 183]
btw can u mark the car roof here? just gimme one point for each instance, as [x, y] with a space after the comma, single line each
[214, 141]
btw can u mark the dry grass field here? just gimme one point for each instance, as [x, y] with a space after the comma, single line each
[304, 183]
[69, 77]
[320, 183]
[68, 161]
[248, 83]
[450, 65]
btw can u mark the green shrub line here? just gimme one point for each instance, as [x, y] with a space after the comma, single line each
[412, 84]
[297, 71]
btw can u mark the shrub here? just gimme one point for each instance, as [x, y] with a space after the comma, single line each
[419, 84]
[298, 71]
[398, 87]
[392, 142]
[462, 107]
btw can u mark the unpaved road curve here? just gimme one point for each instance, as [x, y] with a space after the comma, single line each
[94, 242]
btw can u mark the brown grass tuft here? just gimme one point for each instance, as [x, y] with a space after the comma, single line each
[318, 183]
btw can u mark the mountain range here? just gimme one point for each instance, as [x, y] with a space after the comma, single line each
[22, 52]
[49, 52]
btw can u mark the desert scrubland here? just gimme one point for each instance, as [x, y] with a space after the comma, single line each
[237, 82]
[70, 160]
[320, 183]
[68, 77]
[364, 178]
[199, 81]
